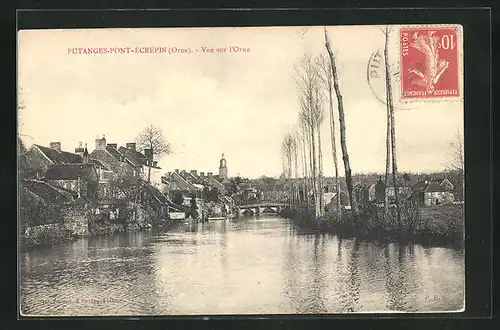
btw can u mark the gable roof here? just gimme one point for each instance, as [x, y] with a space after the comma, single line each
[59, 157]
[187, 175]
[156, 194]
[103, 156]
[133, 156]
[435, 187]
[216, 182]
[52, 154]
[178, 176]
[98, 163]
[47, 192]
[71, 172]
[115, 153]
[71, 157]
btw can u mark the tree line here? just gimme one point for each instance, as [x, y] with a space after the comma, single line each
[319, 93]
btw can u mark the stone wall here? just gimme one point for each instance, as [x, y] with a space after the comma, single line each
[73, 224]
[76, 220]
[45, 234]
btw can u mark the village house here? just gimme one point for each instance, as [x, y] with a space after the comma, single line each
[192, 182]
[151, 196]
[39, 158]
[444, 182]
[214, 181]
[330, 201]
[73, 172]
[404, 192]
[427, 193]
[193, 178]
[104, 173]
[109, 156]
[174, 181]
[80, 178]
[143, 163]
[370, 192]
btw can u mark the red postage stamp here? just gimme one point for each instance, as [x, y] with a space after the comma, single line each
[430, 65]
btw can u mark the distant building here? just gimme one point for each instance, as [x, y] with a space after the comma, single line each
[39, 158]
[143, 163]
[215, 182]
[370, 192]
[174, 181]
[193, 181]
[427, 193]
[109, 156]
[330, 201]
[223, 170]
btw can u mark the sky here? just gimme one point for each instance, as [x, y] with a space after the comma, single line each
[240, 104]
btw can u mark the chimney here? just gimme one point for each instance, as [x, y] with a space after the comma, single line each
[176, 170]
[56, 145]
[100, 144]
[202, 174]
[155, 163]
[130, 146]
[194, 172]
[113, 145]
[210, 174]
[80, 149]
[168, 174]
[148, 153]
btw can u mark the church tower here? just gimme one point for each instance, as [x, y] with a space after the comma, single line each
[223, 169]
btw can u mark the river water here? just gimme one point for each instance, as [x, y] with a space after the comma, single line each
[246, 266]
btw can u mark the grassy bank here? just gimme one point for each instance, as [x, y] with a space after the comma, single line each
[433, 225]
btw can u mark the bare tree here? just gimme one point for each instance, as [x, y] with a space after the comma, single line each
[309, 93]
[390, 107]
[152, 138]
[320, 119]
[343, 140]
[326, 76]
[295, 146]
[302, 134]
[456, 161]
[287, 147]
[387, 139]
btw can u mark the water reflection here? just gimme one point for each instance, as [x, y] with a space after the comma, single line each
[251, 265]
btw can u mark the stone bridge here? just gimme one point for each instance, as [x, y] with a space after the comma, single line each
[261, 208]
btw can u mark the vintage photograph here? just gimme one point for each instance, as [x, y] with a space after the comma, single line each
[241, 171]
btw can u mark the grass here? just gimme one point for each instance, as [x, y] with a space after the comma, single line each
[433, 225]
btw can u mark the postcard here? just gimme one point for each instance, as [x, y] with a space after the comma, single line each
[241, 171]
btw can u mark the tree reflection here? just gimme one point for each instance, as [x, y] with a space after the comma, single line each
[400, 277]
[317, 287]
[354, 280]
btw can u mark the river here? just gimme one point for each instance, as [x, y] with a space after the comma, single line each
[246, 266]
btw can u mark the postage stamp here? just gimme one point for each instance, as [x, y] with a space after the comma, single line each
[430, 62]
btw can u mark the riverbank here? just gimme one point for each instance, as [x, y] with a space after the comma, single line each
[432, 225]
[71, 222]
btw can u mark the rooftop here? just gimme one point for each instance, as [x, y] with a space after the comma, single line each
[71, 172]
[59, 157]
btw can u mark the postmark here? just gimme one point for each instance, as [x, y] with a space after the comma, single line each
[375, 76]
[430, 63]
